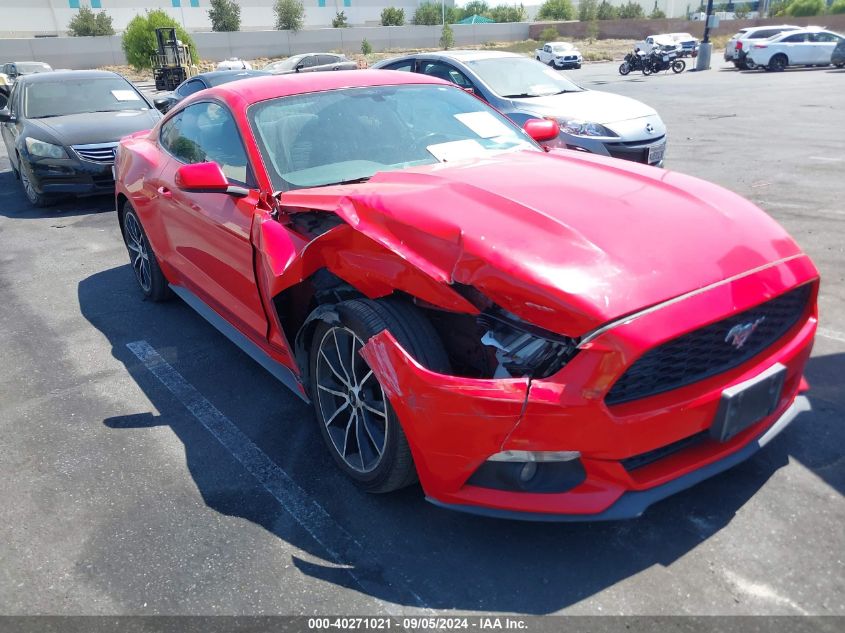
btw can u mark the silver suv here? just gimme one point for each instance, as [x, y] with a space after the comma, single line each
[738, 45]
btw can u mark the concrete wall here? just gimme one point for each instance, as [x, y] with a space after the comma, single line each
[638, 29]
[91, 52]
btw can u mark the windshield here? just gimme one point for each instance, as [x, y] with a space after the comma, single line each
[59, 98]
[287, 64]
[348, 135]
[560, 48]
[29, 68]
[513, 77]
[226, 77]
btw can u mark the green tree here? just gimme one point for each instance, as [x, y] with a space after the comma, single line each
[778, 8]
[339, 20]
[447, 37]
[290, 15]
[656, 14]
[741, 11]
[801, 8]
[606, 11]
[366, 47]
[476, 7]
[587, 10]
[428, 13]
[391, 16]
[631, 10]
[87, 23]
[838, 6]
[139, 38]
[225, 15]
[556, 10]
[507, 13]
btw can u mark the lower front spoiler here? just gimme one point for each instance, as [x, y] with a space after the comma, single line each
[633, 503]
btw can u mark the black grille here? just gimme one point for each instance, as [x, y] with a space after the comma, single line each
[643, 459]
[707, 352]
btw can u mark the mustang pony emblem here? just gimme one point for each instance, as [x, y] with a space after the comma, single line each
[739, 334]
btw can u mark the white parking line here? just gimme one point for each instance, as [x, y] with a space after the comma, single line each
[831, 334]
[340, 545]
[828, 159]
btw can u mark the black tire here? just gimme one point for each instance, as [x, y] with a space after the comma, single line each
[624, 68]
[647, 69]
[577, 66]
[144, 264]
[360, 319]
[778, 63]
[840, 65]
[35, 198]
[678, 66]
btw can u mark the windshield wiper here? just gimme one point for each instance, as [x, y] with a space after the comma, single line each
[351, 181]
[524, 95]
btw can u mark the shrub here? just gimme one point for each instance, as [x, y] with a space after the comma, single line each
[225, 15]
[139, 38]
[447, 37]
[606, 11]
[632, 10]
[339, 20]
[741, 11]
[838, 6]
[656, 14]
[87, 23]
[428, 13]
[548, 34]
[290, 15]
[476, 7]
[800, 8]
[366, 47]
[391, 16]
[556, 10]
[507, 13]
[593, 30]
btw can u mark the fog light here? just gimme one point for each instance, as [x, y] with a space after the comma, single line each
[527, 472]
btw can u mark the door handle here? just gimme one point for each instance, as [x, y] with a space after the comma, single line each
[164, 192]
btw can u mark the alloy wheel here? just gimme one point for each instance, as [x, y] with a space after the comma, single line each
[352, 403]
[138, 252]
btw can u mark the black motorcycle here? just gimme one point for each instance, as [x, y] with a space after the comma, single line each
[635, 60]
[659, 60]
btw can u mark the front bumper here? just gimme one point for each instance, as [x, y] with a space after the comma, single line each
[454, 424]
[70, 176]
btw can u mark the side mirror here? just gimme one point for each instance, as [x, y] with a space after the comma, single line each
[6, 116]
[541, 129]
[162, 104]
[299, 66]
[470, 90]
[206, 178]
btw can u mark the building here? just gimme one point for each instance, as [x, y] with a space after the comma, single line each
[27, 18]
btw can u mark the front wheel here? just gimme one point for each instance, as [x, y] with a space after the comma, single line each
[647, 69]
[144, 263]
[624, 68]
[678, 66]
[356, 420]
[27, 180]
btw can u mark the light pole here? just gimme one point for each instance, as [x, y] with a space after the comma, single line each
[703, 60]
[443, 8]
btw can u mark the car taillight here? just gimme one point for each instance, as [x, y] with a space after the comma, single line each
[739, 46]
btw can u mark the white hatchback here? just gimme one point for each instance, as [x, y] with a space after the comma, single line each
[805, 47]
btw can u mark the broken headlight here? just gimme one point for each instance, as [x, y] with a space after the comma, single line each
[523, 349]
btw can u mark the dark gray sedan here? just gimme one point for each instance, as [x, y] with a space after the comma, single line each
[309, 63]
[523, 88]
[164, 102]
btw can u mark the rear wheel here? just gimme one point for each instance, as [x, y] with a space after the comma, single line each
[647, 69]
[144, 263]
[778, 63]
[358, 424]
[624, 68]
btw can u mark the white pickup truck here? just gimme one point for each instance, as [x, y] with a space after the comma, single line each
[559, 54]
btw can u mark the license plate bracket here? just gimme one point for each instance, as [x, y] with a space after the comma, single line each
[655, 153]
[747, 403]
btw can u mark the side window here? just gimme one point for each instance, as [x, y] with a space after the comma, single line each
[324, 60]
[309, 61]
[190, 87]
[798, 37]
[547, 49]
[406, 66]
[824, 37]
[206, 132]
[447, 72]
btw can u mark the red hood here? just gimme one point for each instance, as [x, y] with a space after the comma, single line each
[567, 242]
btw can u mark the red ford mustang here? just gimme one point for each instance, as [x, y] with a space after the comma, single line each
[531, 334]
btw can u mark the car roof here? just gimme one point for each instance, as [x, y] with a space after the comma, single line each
[69, 75]
[27, 61]
[785, 27]
[257, 89]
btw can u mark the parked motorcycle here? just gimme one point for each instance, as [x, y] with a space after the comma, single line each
[635, 60]
[659, 60]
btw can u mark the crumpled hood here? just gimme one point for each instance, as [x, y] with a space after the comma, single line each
[98, 127]
[568, 242]
[589, 105]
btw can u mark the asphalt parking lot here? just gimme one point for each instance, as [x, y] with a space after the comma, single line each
[147, 466]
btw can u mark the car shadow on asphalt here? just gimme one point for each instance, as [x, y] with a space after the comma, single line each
[14, 204]
[416, 554]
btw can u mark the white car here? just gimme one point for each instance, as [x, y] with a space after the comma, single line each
[559, 54]
[688, 43]
[663, 41]
[804, 47]
[739, 45]
[234, 63]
